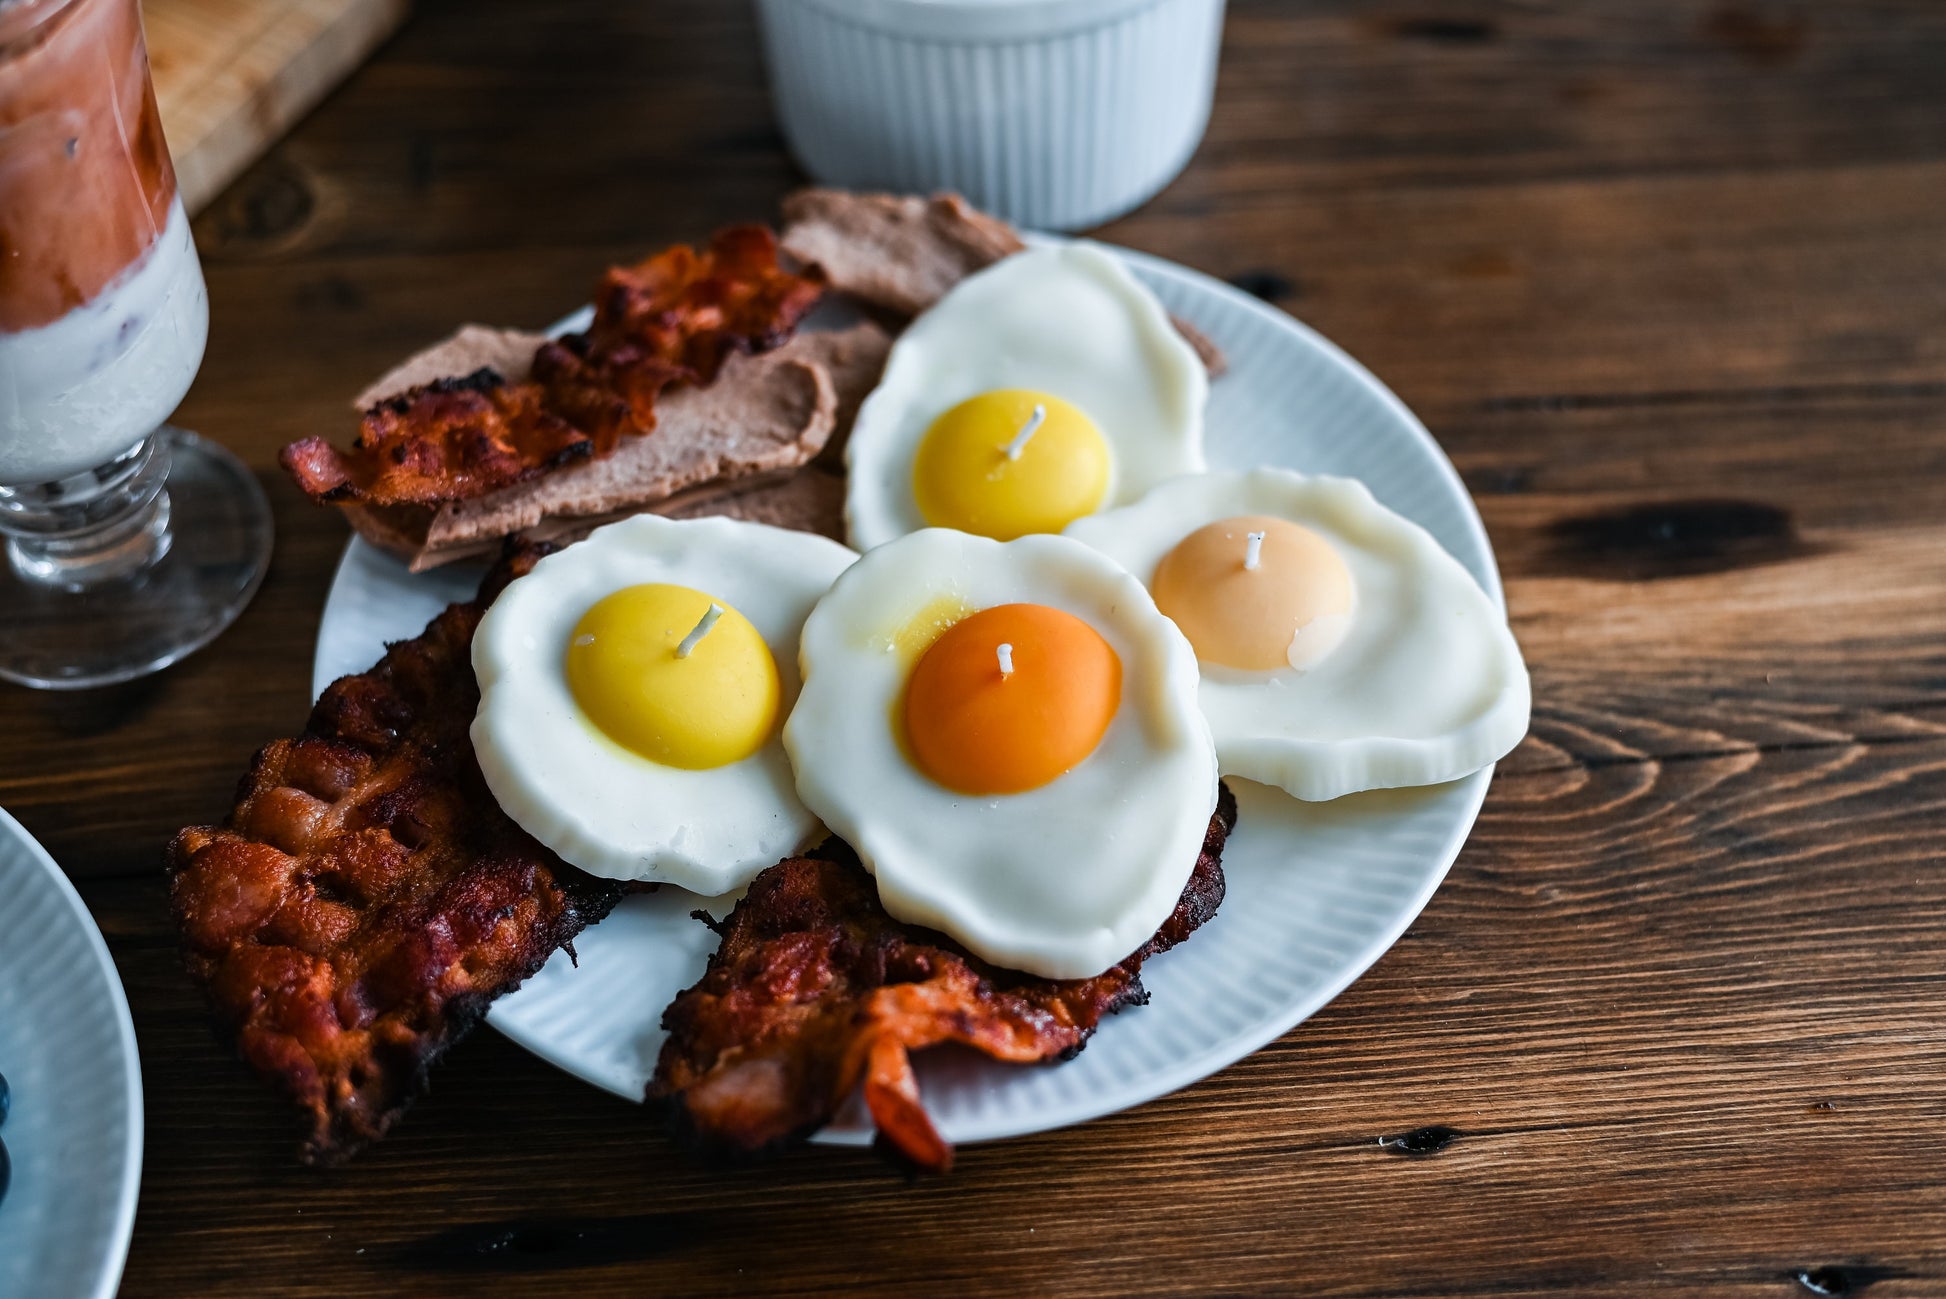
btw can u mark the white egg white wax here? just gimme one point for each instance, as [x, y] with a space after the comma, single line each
[1069, 320]
[1427, 684]
[600, 806]
[1061, 881]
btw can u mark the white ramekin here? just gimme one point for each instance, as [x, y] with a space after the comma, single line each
[1055, 114]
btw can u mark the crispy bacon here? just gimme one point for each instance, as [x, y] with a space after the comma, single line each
[670, 319]
[367, 899]
[673, 318]
[450, 440]
[691, 309]
[814, 991]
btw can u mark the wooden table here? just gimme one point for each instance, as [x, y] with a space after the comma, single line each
[1668, 280]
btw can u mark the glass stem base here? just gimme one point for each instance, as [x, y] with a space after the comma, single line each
[102, 552]
[118, 572]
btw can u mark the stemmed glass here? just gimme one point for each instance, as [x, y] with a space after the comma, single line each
[129, 543]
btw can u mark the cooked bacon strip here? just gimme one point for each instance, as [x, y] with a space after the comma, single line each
[367, 899]
[670, 319]
[815, 990]
[674, 318]
[691, 310]
[451, 439]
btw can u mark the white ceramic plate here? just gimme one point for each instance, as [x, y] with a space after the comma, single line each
[67, 1048]
[1316, 891]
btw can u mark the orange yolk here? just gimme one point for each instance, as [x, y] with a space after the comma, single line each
[977, 729]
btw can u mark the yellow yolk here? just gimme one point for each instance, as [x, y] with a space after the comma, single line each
[978, 729]
[965, 477]
[715, 706]
[917, 633]
[1289, 611]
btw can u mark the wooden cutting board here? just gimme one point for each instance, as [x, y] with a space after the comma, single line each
[231, 76]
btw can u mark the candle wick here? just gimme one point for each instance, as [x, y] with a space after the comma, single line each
[1027, 430]
[1005, 653]
[700, 630]
[1253, 551]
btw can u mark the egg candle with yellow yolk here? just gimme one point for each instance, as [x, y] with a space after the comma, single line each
[1256, 593]
[611, 749]
[659, 676]
[1011, 462]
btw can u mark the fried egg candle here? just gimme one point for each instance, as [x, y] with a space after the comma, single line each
[1007, 734]
[1042, 389]
[1341, 647]
[631, 691]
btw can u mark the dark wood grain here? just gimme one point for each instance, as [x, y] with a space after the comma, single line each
[1667, 279]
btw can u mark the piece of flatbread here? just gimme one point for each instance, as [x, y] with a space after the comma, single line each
[763, 417]
[509, 351]
[901, 253]
[810, 500]
[1214, 362]
[897, 252]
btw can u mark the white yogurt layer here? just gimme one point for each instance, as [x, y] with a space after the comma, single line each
[78, 392]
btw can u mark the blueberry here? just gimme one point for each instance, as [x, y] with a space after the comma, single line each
[6, 1099]
[6, 1170]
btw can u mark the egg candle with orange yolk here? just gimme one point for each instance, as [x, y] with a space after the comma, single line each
[1010, 698]
[1007, 734]
[1257, 593]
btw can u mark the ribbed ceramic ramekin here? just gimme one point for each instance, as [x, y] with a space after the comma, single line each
[1056, 114]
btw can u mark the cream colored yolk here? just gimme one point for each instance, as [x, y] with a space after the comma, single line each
[1290, 611]
[982, 722]
[964, 477]
[713, 707]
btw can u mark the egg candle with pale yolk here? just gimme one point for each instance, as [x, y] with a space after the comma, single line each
[1010, 462]
[1406, 672]
[983, 720]
[1289, 609]
[709, 707]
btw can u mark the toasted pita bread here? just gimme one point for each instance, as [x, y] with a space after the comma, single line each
[1205, 348]
[897, 252]
[901, 253]
[810, 500]
[508, 351]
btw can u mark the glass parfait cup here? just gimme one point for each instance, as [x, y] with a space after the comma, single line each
[129, 543]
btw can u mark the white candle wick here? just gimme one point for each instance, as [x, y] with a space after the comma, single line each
[1253, 551]
[1005, 653]
[699, 631]
[1027, 430]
